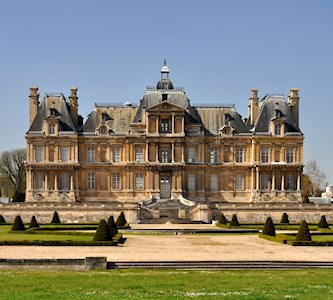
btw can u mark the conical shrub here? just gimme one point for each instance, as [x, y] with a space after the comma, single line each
[55, 218]
[284, 219]
[112, 226]
[222, 219]
[234, 221]
[323, 223]
[33, 222]
[121, 220]
[303, 234]
[269, 227]
[2, 219]
[103, 232]
[18, 224]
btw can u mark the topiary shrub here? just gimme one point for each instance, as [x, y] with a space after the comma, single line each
[33, 222]
[303, 233]
[55, 218]
[103, 232]
[222, 219]
[323, 223]
[269, 227]
[284, 219]
[18, 224]
[234, 221]
[112, 226]
[2, 219]
[121, 220]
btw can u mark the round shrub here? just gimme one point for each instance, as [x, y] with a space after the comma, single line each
[2, 219]
[121, 220]
[303, 234]
[55, 218]
[323, 223]
[234, 221]
[112, 226]
[33, 222]
[222, 219]
[103, 232]
[284, 219]
[269, 227]
[18, 224]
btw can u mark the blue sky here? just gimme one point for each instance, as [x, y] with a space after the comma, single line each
[218, 50]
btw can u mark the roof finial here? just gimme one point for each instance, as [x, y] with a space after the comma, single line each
[164, 61]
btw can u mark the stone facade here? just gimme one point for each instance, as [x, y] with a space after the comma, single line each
[164, 148]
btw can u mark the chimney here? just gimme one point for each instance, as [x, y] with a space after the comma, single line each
[33, 103]
[253, 106]
[293, 103]
[73, 105]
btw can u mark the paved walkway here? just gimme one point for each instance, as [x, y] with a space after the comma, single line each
[179, 247]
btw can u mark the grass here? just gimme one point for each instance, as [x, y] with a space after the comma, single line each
[167, 284]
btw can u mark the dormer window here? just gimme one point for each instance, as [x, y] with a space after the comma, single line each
[103, 130]
[226, 130]
[53, 112]
[164, 97]
[51, 128]
[278, 128]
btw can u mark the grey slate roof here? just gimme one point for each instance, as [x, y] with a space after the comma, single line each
[62, 113]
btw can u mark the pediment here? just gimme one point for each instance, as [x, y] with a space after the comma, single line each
[166, 106]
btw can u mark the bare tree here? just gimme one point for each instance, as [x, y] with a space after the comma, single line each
[12, 170]
[317, 178]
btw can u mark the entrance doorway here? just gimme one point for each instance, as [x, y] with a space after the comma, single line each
[165, 185]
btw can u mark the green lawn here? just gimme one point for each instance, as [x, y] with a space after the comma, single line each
[167, 284]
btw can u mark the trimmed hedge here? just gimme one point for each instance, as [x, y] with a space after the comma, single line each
[323, 223]
[269, 227]
[234, 221]
[284, 219]
[121, 220]
[2, 219]
[18, 224]
[223, 220]
[303, 233]
[58, 243]
[55, 218]
[112, 226]
[103, 232]
[33, 223]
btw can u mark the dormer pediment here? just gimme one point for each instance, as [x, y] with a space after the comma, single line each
[166, 106]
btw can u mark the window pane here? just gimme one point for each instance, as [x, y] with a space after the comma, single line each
[91, 154]
[213, 155]
[265, 154]
[290, 182]
[264, 181]
[91, 181]
[164, 155]
[51, 128]
[139, 181]
[191, 155]
[191, 182]
[164, 125]
[290, 155]
[278, 129]
[239, 155]
[64, 154]
[64, 181]
[239, 184]
[116, 181]
[214, 182]
[39, 177]
[39, 154]
[116, 154]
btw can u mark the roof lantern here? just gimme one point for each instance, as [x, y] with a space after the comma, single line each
[165, 83]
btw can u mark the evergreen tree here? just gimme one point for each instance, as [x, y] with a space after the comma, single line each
[323, 223]
[234, 221]
[103, 232]
[269, 227]
[303, 233]
[121, 220]
[112, 226]
[18, 224]
[55, 218]
[2, 219]
[33, 222]
[222, 219]
[284, 219]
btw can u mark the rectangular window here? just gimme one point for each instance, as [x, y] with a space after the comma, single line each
[39, 154]
[139, 181]
[64, 181]
[290, 182]
[91, 154]
[265, 154]
[51, 128]
[278, 129]
[290, 154]
[64, 154]
[91, 181]
[213, 155]
[116, 181]
[116, 154]
[239, 155]
[138, 154]
[191, 155]
[239, 182]
[191, 182]
[39, 178]
[164, 155]
[164, 125]
[264, 181]
[214, 184]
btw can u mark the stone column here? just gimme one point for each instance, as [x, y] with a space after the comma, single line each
[183, 150]
[282, 182]
[172, 123]
[46, 184]
[257, 179]
[156, 152]
[273, 180]
[156, 124]
[146, 152]
[72, 183]
[298, 181]
[172, 152]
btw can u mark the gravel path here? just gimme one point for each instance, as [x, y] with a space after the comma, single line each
[179, 247]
